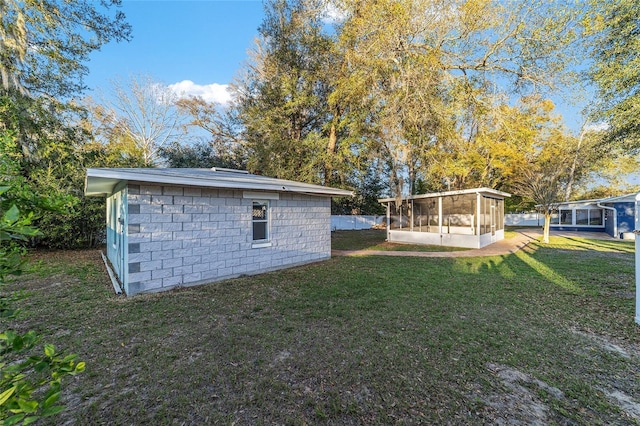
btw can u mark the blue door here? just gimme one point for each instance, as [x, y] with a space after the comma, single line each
[117, 233]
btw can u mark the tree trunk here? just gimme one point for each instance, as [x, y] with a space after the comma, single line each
[547, 224]
[572, 170]
[412, 179]
[331, 150]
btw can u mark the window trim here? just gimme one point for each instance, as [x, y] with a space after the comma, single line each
[602, 213]
[266, 242]
[556, 216]
[562, 219]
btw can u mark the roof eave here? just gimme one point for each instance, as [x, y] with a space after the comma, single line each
[97, 180]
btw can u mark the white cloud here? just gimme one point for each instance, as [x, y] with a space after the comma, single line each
[218, 93]
[598, 127]
[332, 14]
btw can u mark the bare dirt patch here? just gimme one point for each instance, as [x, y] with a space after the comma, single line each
[624, 401]
[604, 343]
[522, 403]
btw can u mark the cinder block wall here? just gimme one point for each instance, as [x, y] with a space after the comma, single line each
[187, 236]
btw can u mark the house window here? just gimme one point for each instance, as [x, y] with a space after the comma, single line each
[260, 221]
[582, 217]
[589, 217]
[566, 217]
[595, 217]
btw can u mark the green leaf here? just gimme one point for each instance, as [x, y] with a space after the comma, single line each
[12, 215]
[80, 367]
[13, 419]
[28, 406]
[69, 358]
[17, 343]
[49, 350]
[41, 366]
[51, 400]
[4, 396]
[31, 419]
[51, 411]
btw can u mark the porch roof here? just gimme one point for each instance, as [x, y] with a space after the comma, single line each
[482, 191]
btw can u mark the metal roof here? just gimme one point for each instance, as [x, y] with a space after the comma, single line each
[484, 191]
[628, 198]
[102, 181]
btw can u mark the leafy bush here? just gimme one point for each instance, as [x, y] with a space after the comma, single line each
[30, 380]
[30, 386]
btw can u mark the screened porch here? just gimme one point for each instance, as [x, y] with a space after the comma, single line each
[471, 218]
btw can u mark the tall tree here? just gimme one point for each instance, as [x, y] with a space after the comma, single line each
[144, 114]
[44, 44]
[44, 47]
[223, 144]
[614, 30]
[543, 178]
[542, 183]
[408, 60]
[282, 96]
[390, 83]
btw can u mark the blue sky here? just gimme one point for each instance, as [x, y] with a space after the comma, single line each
[205, 42]
[198, 45]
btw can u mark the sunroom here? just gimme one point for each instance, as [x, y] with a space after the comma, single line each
[470, 218]
[613, 215]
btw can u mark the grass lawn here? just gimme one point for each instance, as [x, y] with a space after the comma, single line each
[374, 239]
[543, 336]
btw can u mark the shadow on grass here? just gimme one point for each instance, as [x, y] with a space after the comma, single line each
[601, 245]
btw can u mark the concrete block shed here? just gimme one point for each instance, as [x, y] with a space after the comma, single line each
[180, 227]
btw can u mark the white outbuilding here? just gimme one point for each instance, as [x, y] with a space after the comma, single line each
[471, 218]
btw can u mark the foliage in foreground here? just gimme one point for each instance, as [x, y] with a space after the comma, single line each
[29, 382]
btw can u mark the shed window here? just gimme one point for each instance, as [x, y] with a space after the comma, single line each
[260, 221]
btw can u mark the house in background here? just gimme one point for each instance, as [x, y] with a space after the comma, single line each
[180, 227]
[471, 218]
[613, 215]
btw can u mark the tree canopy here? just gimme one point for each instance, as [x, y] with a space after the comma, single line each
[44, 45]
[387, 98]
[614, 36]
[418, 91]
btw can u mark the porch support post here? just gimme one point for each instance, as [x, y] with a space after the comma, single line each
[440, 215]
[478, 201]
[637, 235]
[388, 220]
[411, 215]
